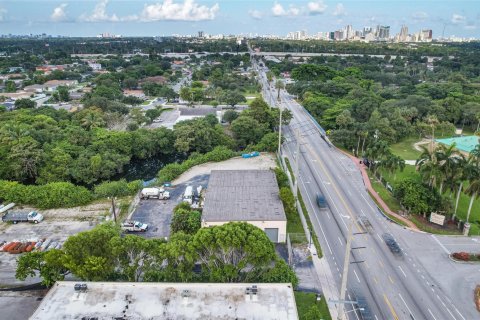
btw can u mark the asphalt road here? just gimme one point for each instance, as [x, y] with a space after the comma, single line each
[392, 287]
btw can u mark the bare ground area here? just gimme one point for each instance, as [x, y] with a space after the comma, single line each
[264, 161]
[57, 226]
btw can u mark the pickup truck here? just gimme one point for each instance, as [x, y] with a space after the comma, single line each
[12, 216]
[134, 226]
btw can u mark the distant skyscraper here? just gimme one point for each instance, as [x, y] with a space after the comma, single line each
[403, 34]
[200, 34]
[426, 35]
[383, 32]
[349, 32]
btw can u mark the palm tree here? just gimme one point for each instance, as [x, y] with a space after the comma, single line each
[279, 85]
[428, 166]
[447, 159]
[473, 189]
[395, 163]
[378, 151]
[92, 120]
[432, 121]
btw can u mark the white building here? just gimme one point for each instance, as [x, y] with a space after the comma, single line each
[245, 196]
[149, 300]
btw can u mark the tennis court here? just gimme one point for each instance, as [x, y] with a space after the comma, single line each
[466, 143]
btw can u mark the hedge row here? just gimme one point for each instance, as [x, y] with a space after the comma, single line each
[63, 194]
[50, 195]
[173, 170]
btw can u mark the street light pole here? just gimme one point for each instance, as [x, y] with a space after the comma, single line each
[280, 131]
[346, 264]
[297, 156]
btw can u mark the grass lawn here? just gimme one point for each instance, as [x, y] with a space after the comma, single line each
[305, 300]
[391, 202]
[410, 172]
[146, 103]
[405, 149]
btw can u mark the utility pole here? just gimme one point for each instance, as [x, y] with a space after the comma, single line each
[297, 156]
[114, 210]
[280, 131]
[346, 264]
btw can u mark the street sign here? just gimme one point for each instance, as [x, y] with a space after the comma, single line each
[437, 218]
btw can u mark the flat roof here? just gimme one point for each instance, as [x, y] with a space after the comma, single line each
[242, 195]
[148, 300]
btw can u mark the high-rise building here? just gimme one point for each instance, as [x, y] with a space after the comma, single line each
[200, 34]
[382, 32]
[403, 34]
[426, 35]
[349, 32]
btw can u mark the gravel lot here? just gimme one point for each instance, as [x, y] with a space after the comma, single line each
[58, 225]
[262, 162]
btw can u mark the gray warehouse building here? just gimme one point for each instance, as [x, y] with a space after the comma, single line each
[248, 196]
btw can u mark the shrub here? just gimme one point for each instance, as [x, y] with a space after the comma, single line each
[50, 195]
[173, 170]
[118, 188]
[282, 178]
[463, 256]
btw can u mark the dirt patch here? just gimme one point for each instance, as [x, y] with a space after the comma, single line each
[91, 211]
[418, 145]
[263, 162]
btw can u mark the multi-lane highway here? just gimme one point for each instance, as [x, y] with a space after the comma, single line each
[387, 286]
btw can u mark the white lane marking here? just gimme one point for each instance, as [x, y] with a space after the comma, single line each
[431, 314]
[367, 202]
[319, 224]
[402, 271]
[458, 312]
[441, 245]
[340, 240]
[450, 313]
[375, 316]
[358, 279]
[379, 237]
[411, 313]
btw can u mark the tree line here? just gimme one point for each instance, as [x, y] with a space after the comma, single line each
[234, 252]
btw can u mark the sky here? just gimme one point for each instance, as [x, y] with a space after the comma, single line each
[165, 17]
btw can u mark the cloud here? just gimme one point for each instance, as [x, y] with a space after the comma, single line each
[2, 14]
[189, 10]
[58, 13]
[419, 16]
[470, 25]
[339, 10]
[99, 14]
[279, 11]
[456, 18]
[255, 14]
[316, 7]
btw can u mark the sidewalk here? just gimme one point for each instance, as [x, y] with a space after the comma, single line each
[368, 185]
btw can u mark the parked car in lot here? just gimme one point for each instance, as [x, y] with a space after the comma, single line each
[134, 226]
[157, 193]
[13, 216]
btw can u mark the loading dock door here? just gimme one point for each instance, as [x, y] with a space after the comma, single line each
[272, 234]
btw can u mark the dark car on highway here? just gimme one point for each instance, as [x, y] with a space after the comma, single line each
[392, 244]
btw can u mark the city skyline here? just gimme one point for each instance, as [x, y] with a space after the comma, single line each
[137, 18]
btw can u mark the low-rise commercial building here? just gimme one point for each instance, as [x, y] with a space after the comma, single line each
[245, 195]
[147, 300]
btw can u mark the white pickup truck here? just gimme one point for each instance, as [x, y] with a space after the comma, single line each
[157, 193]
[134, 226]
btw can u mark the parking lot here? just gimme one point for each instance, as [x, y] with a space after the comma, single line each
[158, 213]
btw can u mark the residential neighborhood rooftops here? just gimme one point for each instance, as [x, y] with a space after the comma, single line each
[242, 195]
[147, 300]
